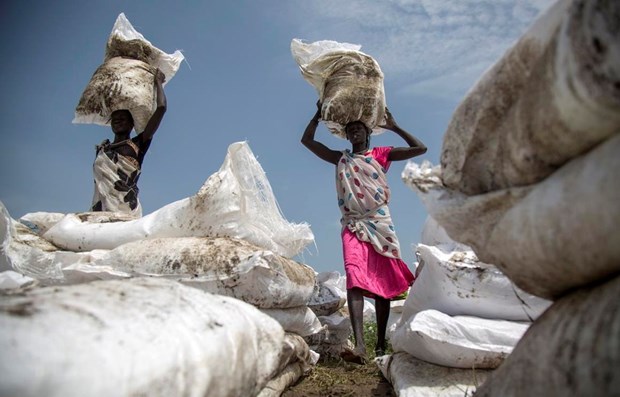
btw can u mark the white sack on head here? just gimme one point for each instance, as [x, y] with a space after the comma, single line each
[529, 232]
[459, 341]
[125, 41]
[134, 337]
[457, 283]
[125, 80]
[237, 201]
[118, 84]
[573, 349]
[553, 96]
[349, 83]
[412, 377]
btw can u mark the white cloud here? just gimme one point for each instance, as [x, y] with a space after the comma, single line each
[439, 45]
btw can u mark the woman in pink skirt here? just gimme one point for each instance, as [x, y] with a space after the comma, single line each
[371, 251]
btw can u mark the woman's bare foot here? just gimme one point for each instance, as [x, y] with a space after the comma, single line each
[356, 356]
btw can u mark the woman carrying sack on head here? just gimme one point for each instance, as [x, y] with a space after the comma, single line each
[371, 250]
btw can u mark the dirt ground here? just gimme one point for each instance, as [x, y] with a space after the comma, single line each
[338, 378]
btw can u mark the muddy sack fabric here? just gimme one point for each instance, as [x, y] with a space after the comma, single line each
[349, 83]
[144, 336]
[125, 79]
[551, 97]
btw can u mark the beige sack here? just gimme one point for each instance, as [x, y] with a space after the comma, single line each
[553, 96]
[349, 83]
[550, 237]
[120, 83]
[573, 349]
[125, 79]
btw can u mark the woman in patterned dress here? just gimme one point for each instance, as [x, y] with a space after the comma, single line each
[372, 260]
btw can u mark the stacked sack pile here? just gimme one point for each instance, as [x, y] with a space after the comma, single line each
[328, 303]
[197, 298]
[460, 314]
[226, 250]
[529, 180]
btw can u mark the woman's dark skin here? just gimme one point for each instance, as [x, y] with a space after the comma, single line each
[358, 134]
[122, 122]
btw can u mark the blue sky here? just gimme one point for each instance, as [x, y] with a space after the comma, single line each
[239, 82]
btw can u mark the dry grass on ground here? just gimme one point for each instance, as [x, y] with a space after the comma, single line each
[338, 378]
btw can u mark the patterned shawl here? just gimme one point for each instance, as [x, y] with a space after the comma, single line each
[363, 197]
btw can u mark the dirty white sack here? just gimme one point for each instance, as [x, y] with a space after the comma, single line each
[457, 283]
[458, 341]
[299, 320]
[573, 349]
[237, 201]
[125, 79]
[529, 232]
[552, 97]
[134, 337]
[348, 81]
[330, 296]
[411, 377]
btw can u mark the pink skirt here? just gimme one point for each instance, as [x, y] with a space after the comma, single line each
[374, 273]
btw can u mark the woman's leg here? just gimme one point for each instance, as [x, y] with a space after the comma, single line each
[382, 307]
[355, 301]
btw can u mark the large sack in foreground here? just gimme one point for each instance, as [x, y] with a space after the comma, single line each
[148, 337]
[349, 83]
[459, 341]
[553, 96]
[412, 377]
[457, 283]
[125, 79]
[573, 349]
[237, 201]
[556, 235]
[218, 265]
